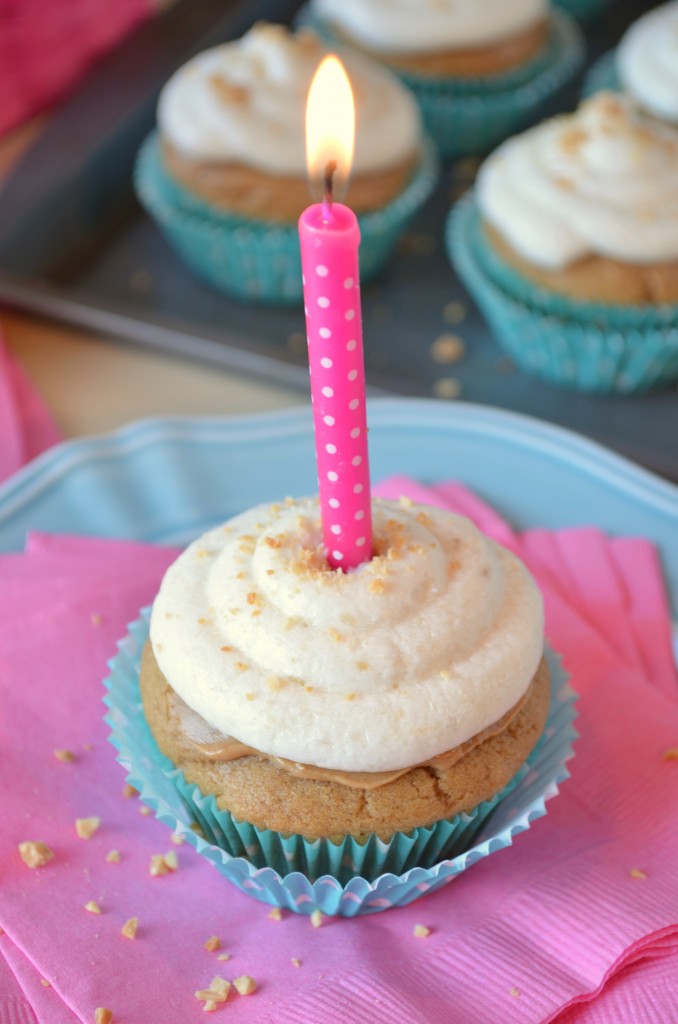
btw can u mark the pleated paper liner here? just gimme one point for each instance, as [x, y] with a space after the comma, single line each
[347, 878]
[588, 346]
[469, 116]
[255, 260]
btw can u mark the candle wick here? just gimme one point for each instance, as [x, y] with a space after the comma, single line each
[327, 186]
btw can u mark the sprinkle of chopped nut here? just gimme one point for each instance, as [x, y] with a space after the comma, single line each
[112, 857]
[362, 666]
[671, 754]
[515, 992]
[144, 811]
[93, 907]
[274, 683]
[44, 982]
[275, 914]
[130, 928]
[296, 962]
[335, 635]
[102, 1015]
[226, 648]
[637, 873]
[405, 502]
[213, 944]
[171, 860]
[447, 348]
[273, 542]
[420, 931]
[177, 839]
[86, 827]
[349, 696]
[376, 586]
[35, 854]
[444, 674]
[209, 1005]
[163, 864]
[245, 985]
[223, 956]
[64, 755]
[240, 666]
[129, 791]
[316, 918]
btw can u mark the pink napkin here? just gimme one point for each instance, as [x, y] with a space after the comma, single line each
[554, 928]
[45, 47]
[26, 427]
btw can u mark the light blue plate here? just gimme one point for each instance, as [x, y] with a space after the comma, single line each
[167, 480]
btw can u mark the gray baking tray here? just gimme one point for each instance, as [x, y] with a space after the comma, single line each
[75, 245]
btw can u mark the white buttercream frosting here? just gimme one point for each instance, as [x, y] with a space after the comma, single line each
[602, 181]
[381, 668]
[647, 61]
[424, 26]
[245, 102]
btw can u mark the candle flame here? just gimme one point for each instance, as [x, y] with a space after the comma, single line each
[330, 126]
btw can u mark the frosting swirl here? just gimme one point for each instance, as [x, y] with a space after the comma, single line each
[413, 26]
[408, 656]
[245, 102]
[647, 61]
[600, 181]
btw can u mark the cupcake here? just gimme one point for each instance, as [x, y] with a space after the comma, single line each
[570, 246]
[480, 71]
[345, 723]
[225, 174]
[645, 64]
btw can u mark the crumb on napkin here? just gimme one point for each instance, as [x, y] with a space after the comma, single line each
[245, 985]
[213, 944]
[113, 857]
[275, 914]
[163, 864]
[102, 1015]
[86, 827]
[216, 993]
[35, 854]
[130, 928]
[93, 907]
[420, 931]
[316, 918]
[66, 756]
[129, 791]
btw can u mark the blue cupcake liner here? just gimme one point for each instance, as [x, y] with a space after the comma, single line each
[255, 260]
[341, 879]
[602, 75]
[471, 116]
[587, 346]
[584, 10]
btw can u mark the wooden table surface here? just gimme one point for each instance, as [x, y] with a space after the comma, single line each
[94, 384]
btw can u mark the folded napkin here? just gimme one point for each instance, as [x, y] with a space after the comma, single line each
[577, 922]
[26, 427]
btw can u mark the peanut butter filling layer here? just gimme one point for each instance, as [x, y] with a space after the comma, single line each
[240, 189]
[479, 60]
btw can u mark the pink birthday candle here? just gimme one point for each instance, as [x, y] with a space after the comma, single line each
[329, 237]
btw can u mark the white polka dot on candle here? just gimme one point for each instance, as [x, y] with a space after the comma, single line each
[333, 503]
[325, 332]
[338, 555]
[336, 530]
[327, 363]
[350, 345]
[321, 270]
[356, 460]
[352, 374]
[349, 314]
[355, 432]
[331, 449]
[353, 404]
[332, 476]
[329, 421]
[328, 392]
[360, 542]
[359, 515]
[303, 279]
[348, 283]
[358, 489]
[323, 301]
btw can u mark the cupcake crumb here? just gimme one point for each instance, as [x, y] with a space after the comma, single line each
[671, 754]
[102, 1015]
[275, 914]
[163, 864]
[92, 907]
[86, 827]
[45, 983]
[316, 919]
[216, 993]
[224, 956]
[35, 854]
[130, 928]
[65, 756]
[177, 839]
[113, 857]
[637, 873]
[420, 931]
[129, 791]
[144, 811]
[515, 992]
[95, 619]
[296, 962]
[245, 985]
[213, 944]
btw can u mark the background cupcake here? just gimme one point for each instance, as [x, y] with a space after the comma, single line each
[225, 175]
[570, 246]
[479, 70]
[645, 64]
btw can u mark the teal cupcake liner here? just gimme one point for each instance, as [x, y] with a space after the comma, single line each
[471, 116]
[346, 878]
[255, 260]
[602, 75]
[587, 346]
[584, 11]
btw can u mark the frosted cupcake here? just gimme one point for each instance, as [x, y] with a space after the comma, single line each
[345, 715]
[645, 64]
[225, 175]
[480, 70]
[570, 246]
